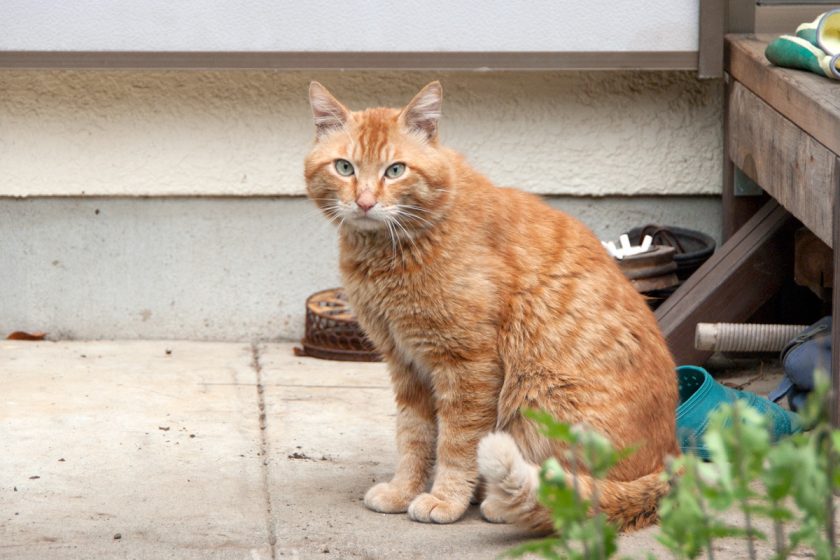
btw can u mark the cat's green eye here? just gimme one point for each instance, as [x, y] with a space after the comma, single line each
[395, 170]
[344, 167]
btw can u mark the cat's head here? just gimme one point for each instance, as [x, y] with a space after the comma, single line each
[378, 169]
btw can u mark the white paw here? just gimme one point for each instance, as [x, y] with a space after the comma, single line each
[387, 498]
[427, 508]
[493, 511]
[497, 456]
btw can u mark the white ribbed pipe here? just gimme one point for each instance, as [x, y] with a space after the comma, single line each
[742, 337]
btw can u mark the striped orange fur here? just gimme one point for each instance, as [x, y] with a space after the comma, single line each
[484, 300]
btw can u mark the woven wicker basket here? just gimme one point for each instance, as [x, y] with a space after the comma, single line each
[332, 332]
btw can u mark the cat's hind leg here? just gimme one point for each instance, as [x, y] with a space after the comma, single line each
[512, 484]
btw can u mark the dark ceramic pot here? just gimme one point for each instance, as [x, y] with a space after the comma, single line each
[693, 248]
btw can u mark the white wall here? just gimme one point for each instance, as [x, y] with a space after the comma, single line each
[349, 25]
[198, 133]
[207, 268]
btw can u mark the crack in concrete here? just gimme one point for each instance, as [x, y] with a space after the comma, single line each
[299, 386]
[264, 467]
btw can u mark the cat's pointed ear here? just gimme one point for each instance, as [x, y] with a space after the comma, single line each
[423, 112]
[328, 113]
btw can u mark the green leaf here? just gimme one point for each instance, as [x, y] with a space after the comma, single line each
[549, 426]
[816, 410]
[780, 471]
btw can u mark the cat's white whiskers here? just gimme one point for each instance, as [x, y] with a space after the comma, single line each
[412, 216]
[413, 207]
[399, 243]
[393, 243]
[334, 211]
[407, 234]
[330, 210]
[335, 215]
[395, 221]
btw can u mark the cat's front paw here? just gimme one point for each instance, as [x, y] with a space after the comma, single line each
[388, 498]
[427, 508]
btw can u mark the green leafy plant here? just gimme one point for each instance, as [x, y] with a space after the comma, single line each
[791, 483]
[582, 530]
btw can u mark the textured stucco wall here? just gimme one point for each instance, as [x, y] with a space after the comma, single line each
[246, 132]
[214, 262]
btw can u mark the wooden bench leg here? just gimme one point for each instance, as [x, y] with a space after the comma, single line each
[835, 303]
[740, 277]
[737, 210]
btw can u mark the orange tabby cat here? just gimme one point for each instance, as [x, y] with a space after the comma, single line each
[485, 300]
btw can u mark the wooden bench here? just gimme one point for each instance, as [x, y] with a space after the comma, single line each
[782, 131]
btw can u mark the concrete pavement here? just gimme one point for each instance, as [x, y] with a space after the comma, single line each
[160, 450]
[189, 450]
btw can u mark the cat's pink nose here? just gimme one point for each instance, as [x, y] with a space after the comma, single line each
[366, 201]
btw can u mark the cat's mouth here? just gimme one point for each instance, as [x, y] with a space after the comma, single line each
[367, 221]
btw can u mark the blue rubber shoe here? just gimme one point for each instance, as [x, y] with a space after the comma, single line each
[700, 395]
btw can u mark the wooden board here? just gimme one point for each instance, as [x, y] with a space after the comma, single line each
[809, 101]
[789, 164]
[736, 209]
[740, 277]
[785, 17]
[813, 263]
[349, 60]
[712, 28]
[835, 306]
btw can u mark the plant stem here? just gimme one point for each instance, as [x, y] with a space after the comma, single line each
[832, 403]
[573, 460]
[748, 522]
[596, 512]
[831, 460]
[743, 482]
[701, 504]
[778, 534]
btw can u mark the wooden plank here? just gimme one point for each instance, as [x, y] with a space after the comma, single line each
[712, 24]
[835, 305]
[825, 4]
[740, 16]
[741, 276]
[736, 210]
[786, 18]
[502, 60]
[813, 263]
[791, 166]
[809, 101]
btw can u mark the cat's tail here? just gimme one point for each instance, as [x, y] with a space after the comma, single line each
[512, 484]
